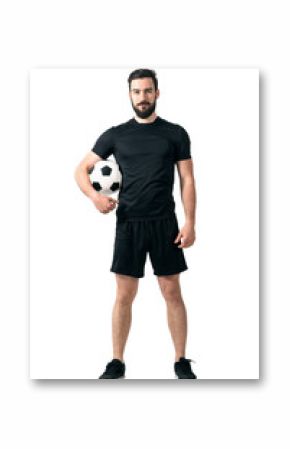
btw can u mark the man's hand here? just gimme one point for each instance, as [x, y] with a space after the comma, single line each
[186, 236]
[104, 203]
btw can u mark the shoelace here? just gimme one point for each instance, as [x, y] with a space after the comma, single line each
[111, 366]
[188, 360]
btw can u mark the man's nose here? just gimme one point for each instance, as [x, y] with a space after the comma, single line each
[143, 98]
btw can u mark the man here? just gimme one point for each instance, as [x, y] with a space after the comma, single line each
[146, 147]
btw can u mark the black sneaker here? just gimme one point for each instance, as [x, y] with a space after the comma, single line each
[183, 370]
[114, 370]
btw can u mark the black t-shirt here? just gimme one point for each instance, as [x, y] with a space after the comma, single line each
[146, 154]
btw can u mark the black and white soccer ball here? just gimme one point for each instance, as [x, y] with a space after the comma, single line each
[106, 177]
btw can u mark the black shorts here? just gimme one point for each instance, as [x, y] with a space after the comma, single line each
[134, 239]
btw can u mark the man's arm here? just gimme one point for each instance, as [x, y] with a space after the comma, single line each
[188, 196]
[103, 203]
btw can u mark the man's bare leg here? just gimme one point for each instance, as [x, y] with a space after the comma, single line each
[127, 287]
[176, 312]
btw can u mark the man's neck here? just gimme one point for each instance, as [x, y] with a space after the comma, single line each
[149, 119]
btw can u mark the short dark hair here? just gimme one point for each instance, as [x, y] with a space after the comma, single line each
[143, 73]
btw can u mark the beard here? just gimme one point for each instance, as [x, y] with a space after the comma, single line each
[146, 112]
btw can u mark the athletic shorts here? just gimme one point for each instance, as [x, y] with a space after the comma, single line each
[134, 239]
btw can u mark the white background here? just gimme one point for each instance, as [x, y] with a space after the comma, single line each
[71, 288]
[206, 414]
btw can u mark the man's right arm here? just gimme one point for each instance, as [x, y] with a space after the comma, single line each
[103, 203]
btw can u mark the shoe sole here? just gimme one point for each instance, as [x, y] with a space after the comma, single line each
[176, 377]
[117, 378]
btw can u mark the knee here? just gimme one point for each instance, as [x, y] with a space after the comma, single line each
[171, 293]
[126, 289]
[125, 297]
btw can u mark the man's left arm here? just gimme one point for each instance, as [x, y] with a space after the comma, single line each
[186, 235]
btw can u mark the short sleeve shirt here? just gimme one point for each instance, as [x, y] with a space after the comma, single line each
[146, 154]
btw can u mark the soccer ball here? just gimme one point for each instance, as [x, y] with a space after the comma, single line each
[106, 177]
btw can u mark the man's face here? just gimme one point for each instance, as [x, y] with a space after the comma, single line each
[143, 96]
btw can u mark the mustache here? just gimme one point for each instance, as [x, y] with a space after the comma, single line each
[141, 104]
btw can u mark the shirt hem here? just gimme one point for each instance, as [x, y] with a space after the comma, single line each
[146, 218]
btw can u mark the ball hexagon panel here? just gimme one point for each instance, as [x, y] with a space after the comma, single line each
[115, 186]
[106, 170]
[97, 186]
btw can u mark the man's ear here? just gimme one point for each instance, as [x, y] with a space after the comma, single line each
[157, 93]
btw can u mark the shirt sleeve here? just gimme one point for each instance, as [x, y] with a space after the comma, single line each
[104, 145]
[182, 145]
